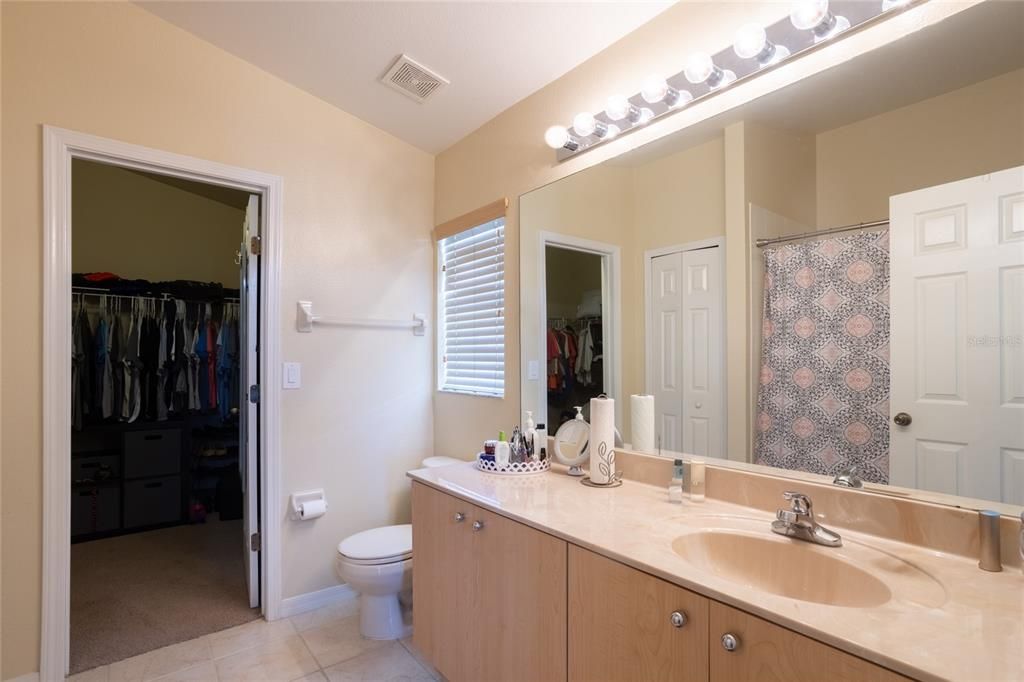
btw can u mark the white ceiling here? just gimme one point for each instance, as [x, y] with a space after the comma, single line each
[494, 53]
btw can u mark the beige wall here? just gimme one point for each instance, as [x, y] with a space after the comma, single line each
[961, 134]
[358, 211]
[138, 227]
[664, 202]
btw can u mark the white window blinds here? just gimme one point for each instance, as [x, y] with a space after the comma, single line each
[472, 310]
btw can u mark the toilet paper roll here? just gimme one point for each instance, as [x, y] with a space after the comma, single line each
[602, 440]
[641, 422]
[312, 509]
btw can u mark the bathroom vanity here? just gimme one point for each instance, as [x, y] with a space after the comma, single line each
[540, 578]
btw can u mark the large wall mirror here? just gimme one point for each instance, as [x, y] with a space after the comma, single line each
[896, 347]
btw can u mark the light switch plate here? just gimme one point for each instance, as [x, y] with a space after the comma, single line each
[533, 370]
[292, 375]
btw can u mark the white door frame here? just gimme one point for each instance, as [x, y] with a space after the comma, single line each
[611, 314]
[649, 256]
[60, 146]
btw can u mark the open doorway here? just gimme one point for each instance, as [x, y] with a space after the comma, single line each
[164, 453]
[579, 315]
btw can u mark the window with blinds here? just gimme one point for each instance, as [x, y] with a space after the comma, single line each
[471, 315]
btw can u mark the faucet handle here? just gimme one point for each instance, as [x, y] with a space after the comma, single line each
[801, 503]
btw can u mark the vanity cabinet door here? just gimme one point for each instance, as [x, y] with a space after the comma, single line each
[441, 577]
[764, 651]
[520, 614]
[488, 593]
[621, 624]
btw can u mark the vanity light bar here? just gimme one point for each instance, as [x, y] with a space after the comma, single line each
[756, 49]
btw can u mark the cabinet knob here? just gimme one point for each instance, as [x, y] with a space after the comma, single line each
[478, 525]
[730, 642]
[459, 517]
[678, 619]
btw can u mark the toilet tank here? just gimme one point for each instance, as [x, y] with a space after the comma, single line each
[434, 462]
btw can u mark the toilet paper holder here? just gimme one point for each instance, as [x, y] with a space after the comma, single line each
[300, 501]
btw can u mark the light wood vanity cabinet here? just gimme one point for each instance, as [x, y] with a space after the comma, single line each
[497, 600]
[623, 624]
[489, 593]
[765, 651]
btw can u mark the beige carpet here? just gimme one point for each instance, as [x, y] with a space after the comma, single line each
[135, 593]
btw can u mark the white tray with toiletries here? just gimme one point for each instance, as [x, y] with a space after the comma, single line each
[530, 466]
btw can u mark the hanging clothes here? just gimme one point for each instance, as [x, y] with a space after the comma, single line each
[153, 359]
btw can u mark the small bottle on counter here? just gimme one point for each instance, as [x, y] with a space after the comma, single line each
[530, 433]
[675, 487]
[540, 443]
[696, 480]
[502, 452]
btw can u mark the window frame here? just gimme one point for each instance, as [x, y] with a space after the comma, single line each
[467, 225]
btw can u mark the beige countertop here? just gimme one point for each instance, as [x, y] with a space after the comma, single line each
[946, 619]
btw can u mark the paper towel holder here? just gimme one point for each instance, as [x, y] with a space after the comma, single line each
[298, 499]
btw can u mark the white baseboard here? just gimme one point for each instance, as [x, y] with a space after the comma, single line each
[27, 677]
[312, 601]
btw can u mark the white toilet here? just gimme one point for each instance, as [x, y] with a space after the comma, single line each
[377, 563]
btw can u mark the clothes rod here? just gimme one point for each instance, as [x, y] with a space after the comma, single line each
[820, 233]
[89, 291]
[305, 319]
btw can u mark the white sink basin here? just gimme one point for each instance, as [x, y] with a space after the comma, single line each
[745, 551]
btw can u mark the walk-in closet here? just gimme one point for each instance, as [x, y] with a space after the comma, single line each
[159, 404]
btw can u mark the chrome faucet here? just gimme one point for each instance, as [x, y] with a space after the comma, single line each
[848, 478]
[798, 522]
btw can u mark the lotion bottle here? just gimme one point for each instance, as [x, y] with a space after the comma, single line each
[502, 452]
[530, 433]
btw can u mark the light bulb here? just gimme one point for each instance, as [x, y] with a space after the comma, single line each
[646, 115]
[613, 130]
[584, 124]
[815, 16]
[752, 43]
[654, 89]
[557, 137]
[700, 68]
[618, 107]
[894, 4]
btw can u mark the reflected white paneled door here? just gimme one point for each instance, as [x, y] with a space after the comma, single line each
[703, 340]
[687, 351]
[958, 337]
[666, 347]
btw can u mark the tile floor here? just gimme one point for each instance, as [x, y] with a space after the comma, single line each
[311, 647]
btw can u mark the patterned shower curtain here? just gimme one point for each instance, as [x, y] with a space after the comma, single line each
[823, 397]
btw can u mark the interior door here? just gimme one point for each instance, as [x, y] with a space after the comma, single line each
[666, 349]
[957, 326]
[248, 437]
[702, 343]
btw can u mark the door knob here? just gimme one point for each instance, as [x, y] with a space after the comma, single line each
[730, 642]
[902, 419]
[459, 517]
[478, 525]
[678, 619]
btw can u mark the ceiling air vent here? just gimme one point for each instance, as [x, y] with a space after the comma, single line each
[413, 79]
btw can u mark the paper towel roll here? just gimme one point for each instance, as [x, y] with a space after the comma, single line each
[641, 422]
[312, 509]
[602, 440]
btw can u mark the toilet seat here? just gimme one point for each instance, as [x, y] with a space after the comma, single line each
[384, 545]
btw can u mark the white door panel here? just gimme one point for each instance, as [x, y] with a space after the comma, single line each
[248, 459]
[957, 275]
[667, 316]
[687, 349]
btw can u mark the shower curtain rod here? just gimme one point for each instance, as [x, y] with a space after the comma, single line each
[819, 233]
